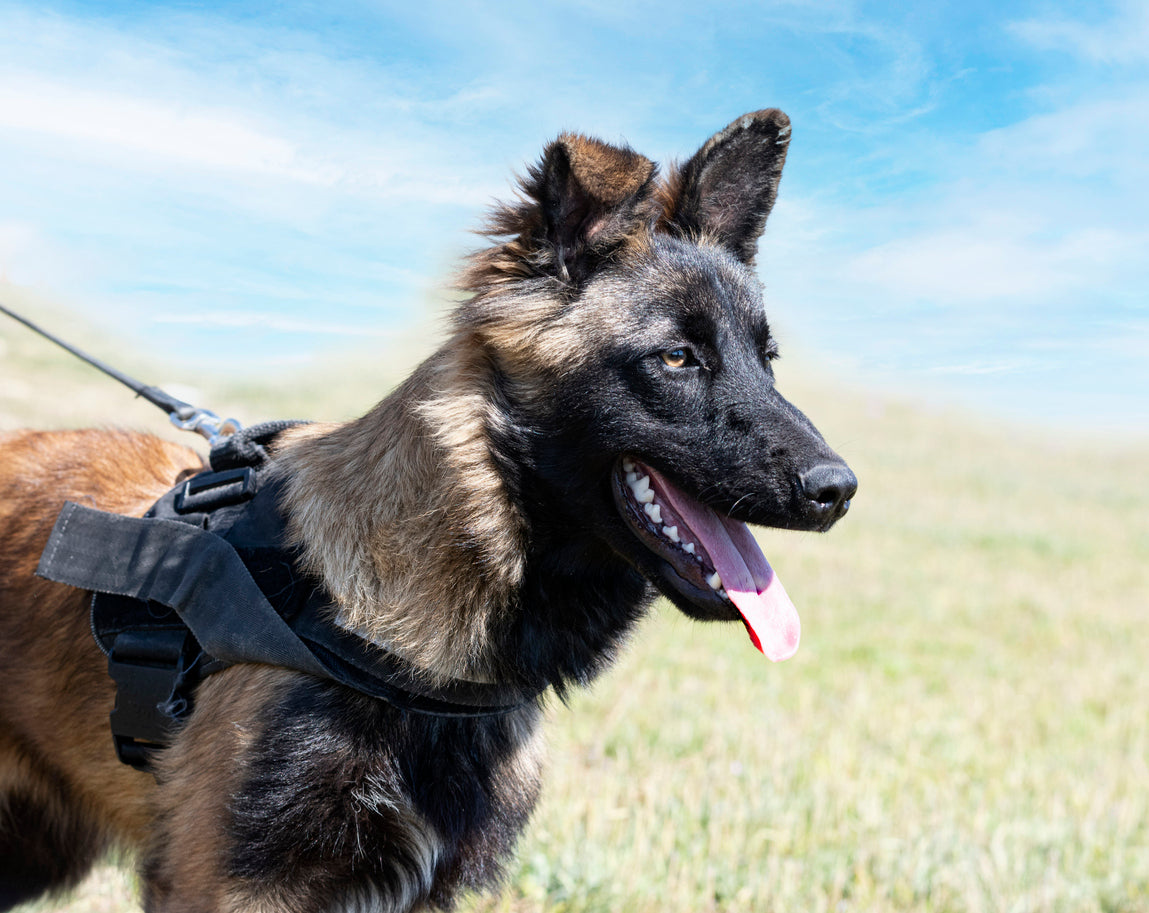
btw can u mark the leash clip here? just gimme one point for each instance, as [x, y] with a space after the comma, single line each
[206, 423]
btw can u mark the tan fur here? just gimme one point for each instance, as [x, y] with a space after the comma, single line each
[606, 172]
[199, 773]
[404, 518]
[53, 677]
[667, 194]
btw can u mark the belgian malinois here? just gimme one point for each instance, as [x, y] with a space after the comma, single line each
[600, 426]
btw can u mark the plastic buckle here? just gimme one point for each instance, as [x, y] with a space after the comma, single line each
[150, 670]
[215, 489]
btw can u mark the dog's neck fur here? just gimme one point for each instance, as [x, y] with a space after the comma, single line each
[405, 517]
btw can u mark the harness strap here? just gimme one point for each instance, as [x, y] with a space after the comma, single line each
[203, 578]
[179, 566]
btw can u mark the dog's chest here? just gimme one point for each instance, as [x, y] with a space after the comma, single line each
[371, 800]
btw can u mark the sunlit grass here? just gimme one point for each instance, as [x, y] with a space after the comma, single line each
[965, 727]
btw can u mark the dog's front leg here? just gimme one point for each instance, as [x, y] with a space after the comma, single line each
[282, 795]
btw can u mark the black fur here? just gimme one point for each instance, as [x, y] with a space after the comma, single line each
[45, 846]
[730, 184]
[314, 807]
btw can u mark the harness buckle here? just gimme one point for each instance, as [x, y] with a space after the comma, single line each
[153, 672]
[209, 490]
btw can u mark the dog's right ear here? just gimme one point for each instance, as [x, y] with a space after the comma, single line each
[583, 199]
[727, 189]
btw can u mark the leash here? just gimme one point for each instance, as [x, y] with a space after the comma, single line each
[183, 415]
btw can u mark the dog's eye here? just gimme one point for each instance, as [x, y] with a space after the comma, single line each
[677, 358]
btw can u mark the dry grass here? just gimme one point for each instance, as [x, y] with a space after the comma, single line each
[966, 726]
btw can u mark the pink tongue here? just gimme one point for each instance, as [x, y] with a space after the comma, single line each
[749, 581]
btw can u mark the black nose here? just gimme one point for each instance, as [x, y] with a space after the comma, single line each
[830, 486]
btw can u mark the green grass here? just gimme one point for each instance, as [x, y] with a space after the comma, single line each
[965, 727]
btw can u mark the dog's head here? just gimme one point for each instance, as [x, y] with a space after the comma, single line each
[625, 324]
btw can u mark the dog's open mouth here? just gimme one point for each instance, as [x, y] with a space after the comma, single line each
[709, 553]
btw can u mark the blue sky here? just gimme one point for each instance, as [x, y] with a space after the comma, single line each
[963, 214]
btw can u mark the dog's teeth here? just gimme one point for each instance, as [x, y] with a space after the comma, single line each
[628, 466]
[642, 490]
[631, 477]
[688, 548]
[671, 533]
[654, 512]
[715, 581]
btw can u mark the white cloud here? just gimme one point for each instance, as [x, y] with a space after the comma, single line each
[168, 164]
[28, 253]
[261, 320]
[20, 243]
[1106, 135]
[993, 260]
[982, 368]
[194, 145]
[192, 100]
[169, 133]
[1123, 39]
[1128, 340]
[1049, 209]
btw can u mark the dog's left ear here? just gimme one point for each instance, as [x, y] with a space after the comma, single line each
[727, 189]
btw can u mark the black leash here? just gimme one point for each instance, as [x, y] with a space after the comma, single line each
[183, 415]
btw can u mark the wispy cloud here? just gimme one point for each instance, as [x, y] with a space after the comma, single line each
[983, 368]
[996, 259]
[261, 320]
[152, 131]
[176, 163]
[1004, 267]
[1121, 39]
[963, 191]
[1102, 136]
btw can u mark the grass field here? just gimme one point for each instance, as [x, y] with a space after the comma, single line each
[965, 727]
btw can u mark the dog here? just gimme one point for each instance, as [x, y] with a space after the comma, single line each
[599, 428]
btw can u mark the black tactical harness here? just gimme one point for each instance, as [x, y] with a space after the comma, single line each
[203, 581]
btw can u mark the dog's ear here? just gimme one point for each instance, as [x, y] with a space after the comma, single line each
[727, 189]
[582, 200]
[590, 193]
